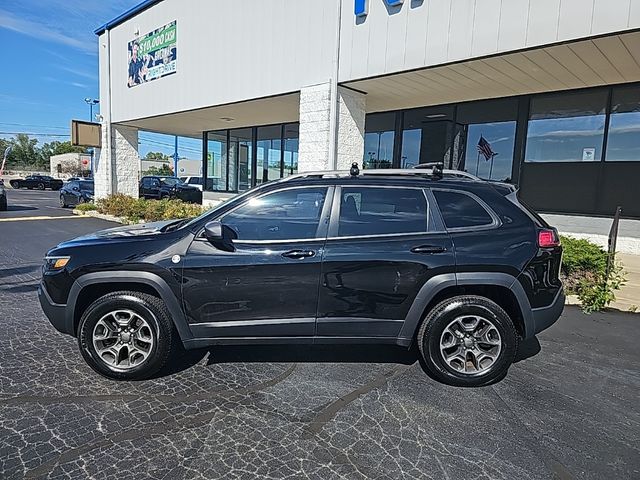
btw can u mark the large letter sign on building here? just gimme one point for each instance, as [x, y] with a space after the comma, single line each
[362, 6]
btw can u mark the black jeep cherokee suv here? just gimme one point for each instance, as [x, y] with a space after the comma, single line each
[453, 265]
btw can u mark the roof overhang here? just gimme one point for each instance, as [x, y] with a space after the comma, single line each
[606, 60]
[263, 111]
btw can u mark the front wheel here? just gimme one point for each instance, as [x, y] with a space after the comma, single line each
[63, 204]
[126, 335]
[40, 186]
[467, 341]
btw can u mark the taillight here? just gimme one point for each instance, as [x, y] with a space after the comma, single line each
[548, 238]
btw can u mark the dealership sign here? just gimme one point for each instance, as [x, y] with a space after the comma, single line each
[153, 55]
[362, 6]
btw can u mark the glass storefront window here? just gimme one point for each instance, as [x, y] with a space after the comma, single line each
[485, 136]
[291, 142]
[240, 154]
[567, 127]
[623, 144]
[269, 142]
[426, 136]
[216, 161]
[379, 140]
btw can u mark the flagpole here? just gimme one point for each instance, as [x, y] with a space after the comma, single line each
[491, 167]
[478, 163]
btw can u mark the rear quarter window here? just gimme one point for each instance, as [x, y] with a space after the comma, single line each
[460, 210]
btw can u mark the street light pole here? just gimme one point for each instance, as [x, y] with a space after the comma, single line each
[91, 102]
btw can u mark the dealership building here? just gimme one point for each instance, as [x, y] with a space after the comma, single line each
[544, 94]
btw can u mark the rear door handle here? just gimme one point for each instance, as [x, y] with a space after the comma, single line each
[299, 254]
[429, 249]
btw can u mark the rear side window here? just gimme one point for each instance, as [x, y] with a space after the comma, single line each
[460, 210]
[382, 211]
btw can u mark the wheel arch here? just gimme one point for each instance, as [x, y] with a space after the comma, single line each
[502, 288]
[89, 287]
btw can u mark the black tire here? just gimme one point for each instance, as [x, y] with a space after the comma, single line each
[3, 205]
[152, 310]
[62, 202]
[438, 319]
[40, 186]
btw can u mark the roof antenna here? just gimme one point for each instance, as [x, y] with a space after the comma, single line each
[355, 171]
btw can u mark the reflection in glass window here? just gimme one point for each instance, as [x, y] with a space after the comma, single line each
[426, 136]
[240, 147]
[217, 161]
[268, 154]
[461, 211]
[489, 150]
[291, 141]
[380, 211]
[623, 144]
[567, 127]
[379, 140]
[286, 215]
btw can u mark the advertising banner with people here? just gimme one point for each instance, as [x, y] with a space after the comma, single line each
[153, 55]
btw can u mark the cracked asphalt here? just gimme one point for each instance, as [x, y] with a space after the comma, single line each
[567, 410]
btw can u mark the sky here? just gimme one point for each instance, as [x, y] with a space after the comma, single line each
[50, 65]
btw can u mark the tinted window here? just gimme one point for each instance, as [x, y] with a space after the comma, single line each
[290, 214]
[86, 186]
[461, 211]
[380, 211]
[147, 182]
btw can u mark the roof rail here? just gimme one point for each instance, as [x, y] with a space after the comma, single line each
[409, 172]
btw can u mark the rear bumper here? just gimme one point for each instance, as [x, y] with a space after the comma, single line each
[55, 312]
[544, 317]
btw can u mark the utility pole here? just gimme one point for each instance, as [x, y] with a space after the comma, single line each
[175, 158]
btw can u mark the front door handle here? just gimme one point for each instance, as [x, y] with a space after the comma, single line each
[428, 249]
[299, 254]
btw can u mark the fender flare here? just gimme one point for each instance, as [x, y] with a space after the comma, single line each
[147, 278]
[436, 284]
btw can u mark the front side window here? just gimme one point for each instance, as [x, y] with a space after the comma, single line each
[460, 210]
[285, 215]
[368, 211]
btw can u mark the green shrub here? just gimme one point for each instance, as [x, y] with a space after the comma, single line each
[135, 209]
[584, 273]
[86, 207]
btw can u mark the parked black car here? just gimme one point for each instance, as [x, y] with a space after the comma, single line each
[157, 187]
[3, 196]
[76, 192]
[39, 182]
[458, 267]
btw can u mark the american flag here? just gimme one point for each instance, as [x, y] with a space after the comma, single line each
[484, 148]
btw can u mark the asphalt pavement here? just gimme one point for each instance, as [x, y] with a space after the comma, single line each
[567, 410]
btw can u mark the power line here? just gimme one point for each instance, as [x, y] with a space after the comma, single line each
[36, 134]
[33, 125]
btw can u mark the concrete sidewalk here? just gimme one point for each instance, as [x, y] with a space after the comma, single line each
[628, 298]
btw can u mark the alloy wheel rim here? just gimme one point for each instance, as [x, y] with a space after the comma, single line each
[123, 339]
[471, 345]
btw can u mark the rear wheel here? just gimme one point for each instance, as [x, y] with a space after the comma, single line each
[467, 341]
[40, 186]
[126, 335]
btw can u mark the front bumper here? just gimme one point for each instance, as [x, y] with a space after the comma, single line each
[544, 317]
[55, 312]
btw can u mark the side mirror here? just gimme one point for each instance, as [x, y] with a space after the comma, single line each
[214, 232]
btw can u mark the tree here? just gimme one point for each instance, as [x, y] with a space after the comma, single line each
[164, 171]
[157, 156]
[59, 148]
[26, 152]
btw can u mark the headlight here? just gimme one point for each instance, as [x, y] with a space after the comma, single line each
[56, 263]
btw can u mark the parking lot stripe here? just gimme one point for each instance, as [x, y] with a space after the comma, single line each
[24, 219]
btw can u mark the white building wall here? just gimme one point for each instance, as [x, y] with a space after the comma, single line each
[227, 51]
[422, 33]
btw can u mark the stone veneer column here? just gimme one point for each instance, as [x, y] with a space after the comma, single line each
[118, 166]
[316, 140]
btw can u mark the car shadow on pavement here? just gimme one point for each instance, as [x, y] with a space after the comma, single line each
[19, 208]
[221, 354]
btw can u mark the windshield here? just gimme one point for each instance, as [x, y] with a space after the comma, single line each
[86, 186]
[170, 181]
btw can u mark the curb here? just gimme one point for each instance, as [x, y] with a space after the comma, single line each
[101, 216]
